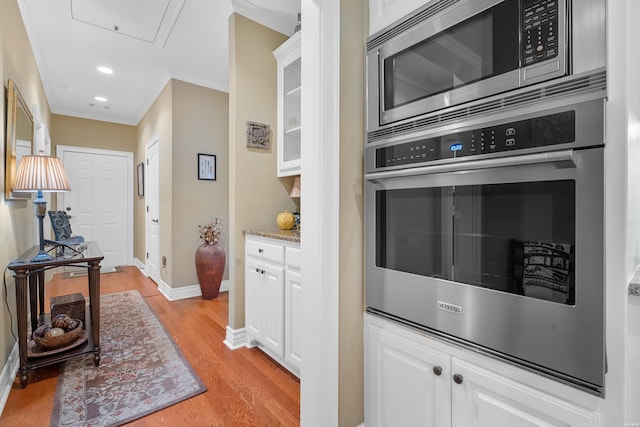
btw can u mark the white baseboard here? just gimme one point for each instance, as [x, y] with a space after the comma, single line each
[235, 338]
[8, 375]
[173, 294]
[140, 265]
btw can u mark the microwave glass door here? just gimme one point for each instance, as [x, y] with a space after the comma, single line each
[514, 237]
[480, 47]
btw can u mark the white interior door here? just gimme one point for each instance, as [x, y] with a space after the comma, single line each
[100, 201]
[152, 217]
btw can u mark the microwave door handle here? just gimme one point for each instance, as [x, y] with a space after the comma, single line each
[563, 159]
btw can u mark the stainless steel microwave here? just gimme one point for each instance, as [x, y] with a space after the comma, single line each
[451, 52]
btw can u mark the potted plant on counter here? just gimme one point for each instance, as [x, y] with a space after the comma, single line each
[210, 258]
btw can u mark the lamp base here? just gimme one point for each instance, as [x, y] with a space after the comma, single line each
[42, 257]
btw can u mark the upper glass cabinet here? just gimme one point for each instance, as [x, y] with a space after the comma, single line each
[289, 88]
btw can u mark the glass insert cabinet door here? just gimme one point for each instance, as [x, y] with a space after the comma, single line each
[517, 237]
[289, 96]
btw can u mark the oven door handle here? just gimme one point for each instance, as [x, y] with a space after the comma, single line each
[563, 159]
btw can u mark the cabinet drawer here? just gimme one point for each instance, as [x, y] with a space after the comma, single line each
[294, 258]
[265, 251]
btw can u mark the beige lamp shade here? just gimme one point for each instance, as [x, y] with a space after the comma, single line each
[295, 190]
[44, 173]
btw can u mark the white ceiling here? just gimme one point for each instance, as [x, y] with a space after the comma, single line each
[145, 42]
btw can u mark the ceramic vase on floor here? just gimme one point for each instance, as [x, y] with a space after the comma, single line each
[210, 261]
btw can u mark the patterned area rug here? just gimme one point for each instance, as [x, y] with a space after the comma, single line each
[141, 370]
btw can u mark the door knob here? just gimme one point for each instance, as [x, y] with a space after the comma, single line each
[457, 378]
[68, 208]
[437, 370]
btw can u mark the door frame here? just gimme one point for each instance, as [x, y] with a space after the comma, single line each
[61, 150]
[147, 180]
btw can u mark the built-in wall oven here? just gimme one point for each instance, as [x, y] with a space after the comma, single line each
[489, 232]
[484, 205]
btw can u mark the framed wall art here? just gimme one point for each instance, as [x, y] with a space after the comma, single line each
[140, 170]
[207, 167]
[258, 135]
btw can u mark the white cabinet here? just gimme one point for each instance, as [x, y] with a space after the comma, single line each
[383, 13]
[289, 85]
[272, 298]
[265, 303]
[407, 382]
[292, 308]
[412, 379]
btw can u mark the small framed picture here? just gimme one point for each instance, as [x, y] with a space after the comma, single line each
[207, 166]
[141, 179]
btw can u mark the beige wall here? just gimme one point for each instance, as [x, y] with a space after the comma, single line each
[200, 125]
[352, 113]
[78, 132]
[16, 217]
[256, 195]
[188, 119]
[157, 123]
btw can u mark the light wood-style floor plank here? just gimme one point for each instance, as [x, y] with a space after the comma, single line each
[245, 386]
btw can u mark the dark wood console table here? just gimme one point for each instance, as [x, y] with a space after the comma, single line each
[28, 272]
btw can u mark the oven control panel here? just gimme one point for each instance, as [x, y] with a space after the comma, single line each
[539, 31]
[553, 129]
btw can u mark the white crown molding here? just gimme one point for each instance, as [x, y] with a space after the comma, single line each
[278, 21]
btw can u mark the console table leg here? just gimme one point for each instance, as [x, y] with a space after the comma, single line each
[23, 378]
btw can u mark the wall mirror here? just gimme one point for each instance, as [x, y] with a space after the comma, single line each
[19, 138]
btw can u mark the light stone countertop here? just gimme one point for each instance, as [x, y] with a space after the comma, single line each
[287, 235]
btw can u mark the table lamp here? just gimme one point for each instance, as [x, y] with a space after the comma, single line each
[41, 173]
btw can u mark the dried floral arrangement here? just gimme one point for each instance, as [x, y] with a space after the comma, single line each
[212, 232]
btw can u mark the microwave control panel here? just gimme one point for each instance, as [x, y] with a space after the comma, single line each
[539, 31]
[553, 129]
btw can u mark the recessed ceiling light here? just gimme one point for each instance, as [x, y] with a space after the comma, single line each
[100, 98]
[105, 70]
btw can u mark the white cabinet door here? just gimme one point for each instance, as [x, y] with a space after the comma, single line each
[408, 383]
[484, 399]
[272, 281]
[253, 298]
[293, 318]
[289, 95]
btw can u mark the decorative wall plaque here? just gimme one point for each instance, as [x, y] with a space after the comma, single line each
[258, 135]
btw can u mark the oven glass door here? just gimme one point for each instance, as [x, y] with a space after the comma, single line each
[510, 237]
[482, 46]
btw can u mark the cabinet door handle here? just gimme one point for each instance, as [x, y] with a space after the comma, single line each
[437, 370]
[257, 270]
[262, 271]
[260, 251]
[457, 378]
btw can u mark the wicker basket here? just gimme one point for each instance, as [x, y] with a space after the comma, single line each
[60, 340]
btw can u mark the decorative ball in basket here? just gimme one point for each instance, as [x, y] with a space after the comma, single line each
[62, 331]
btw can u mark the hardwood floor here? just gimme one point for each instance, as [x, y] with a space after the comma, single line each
[245, 387]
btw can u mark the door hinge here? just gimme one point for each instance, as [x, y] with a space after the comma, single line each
[147, 255]
[147, 208]
[147, 162]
